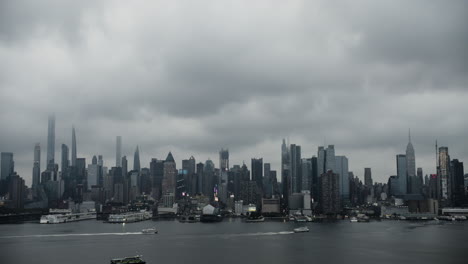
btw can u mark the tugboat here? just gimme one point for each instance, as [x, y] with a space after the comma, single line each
[128, 260]
[301, 229]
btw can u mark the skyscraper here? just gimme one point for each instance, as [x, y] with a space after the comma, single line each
[342, 171]
[402, 175]
[36, 176]
[73, 154]
[7, 165]
[124, 165]
[321, 160]
[330, 158]
[306, 171]
[257, 172]
[410, 159]
[443, 172]
[156, 174]
[296, 181]
[285, 175]
[458, 182]
[51, 141]
[136, 160]
[330, 200]
[170, 174]
[65, 162]
[368, 177]
[118, 152]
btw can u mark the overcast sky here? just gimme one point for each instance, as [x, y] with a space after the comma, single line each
[192, 77]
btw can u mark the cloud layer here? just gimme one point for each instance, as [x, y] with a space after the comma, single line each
[193, 77]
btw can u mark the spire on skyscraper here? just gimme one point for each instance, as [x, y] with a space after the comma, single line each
[51, 140]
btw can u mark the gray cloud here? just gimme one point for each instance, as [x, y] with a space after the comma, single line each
[192, 78]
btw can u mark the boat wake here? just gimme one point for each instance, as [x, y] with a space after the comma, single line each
[262, 234]
[71, 235]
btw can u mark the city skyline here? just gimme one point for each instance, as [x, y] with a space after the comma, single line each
[110, 162]
[195, 80]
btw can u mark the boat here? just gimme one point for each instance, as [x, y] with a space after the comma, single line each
[57, 216]
[129, 217]
[128, 260]
[149, 231]
[300, 219]
[254, 219]
[353, 219]
[301, 229]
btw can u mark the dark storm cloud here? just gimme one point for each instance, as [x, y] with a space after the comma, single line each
[194, 77]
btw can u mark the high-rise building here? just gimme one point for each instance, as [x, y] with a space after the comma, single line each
[330, 200]
[257, 172]
[368, 177]
[224, 159]
[136, 160]
[118, 152]
[285, 175]
[7, 165]
[341, 165]
[443, 172]
[402, 175]
[157, 175]
[296, 181]
[410, 159]
[124, 165]
[330, 158]
[321, 161]
[208, 178]
[51, 141]
[188, 167]
[315, 184]
[65, 162]
[36, 176]
[73, 154]
[170, 174]
[17, 190]
[306, 170]
[94, 173]
[267, 180]
[458, 182]
[200, 169]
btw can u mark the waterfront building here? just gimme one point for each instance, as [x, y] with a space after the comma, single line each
[285, 174]
[330, 200]
[157, 175]
[458, 186]
[188, 166]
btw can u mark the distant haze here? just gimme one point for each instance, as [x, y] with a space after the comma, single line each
[193, 77]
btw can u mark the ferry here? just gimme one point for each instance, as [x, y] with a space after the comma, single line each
[128, 260]
[129, 217]
[57, 216]
[301, 229]
[254, 219]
